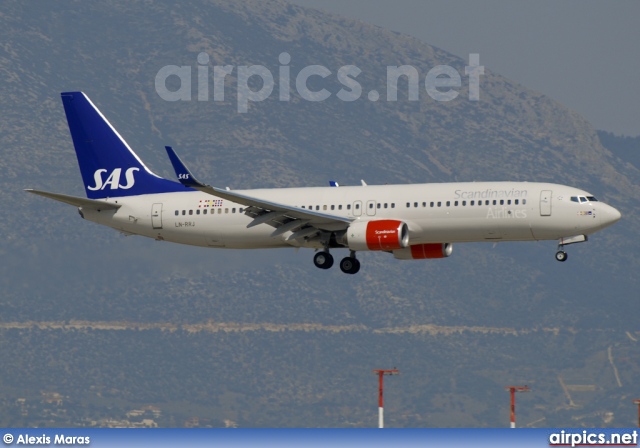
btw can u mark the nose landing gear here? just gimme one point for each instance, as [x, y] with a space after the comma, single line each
[561, 255]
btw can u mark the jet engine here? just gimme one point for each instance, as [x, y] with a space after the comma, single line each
[422, 251]
[383, 234]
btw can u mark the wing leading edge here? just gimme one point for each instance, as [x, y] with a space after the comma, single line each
[302, 222]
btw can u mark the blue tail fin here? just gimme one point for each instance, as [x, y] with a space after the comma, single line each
[109, 167]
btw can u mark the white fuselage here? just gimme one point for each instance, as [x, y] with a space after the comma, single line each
[434, 213]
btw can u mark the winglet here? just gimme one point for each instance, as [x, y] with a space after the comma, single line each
[184, 175]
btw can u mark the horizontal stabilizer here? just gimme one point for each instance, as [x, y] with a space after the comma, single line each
[78, 202]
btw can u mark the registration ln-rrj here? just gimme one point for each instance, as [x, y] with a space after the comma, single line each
[411, 222]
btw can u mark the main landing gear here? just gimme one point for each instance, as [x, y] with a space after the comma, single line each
[323, 260]
[348, 265]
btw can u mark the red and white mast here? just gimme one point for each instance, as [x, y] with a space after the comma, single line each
[513, 390]
[381, 373]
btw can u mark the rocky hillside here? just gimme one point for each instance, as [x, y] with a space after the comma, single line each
[553, 326]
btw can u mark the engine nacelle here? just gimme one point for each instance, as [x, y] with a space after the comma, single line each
[383, 234]
[422, 251]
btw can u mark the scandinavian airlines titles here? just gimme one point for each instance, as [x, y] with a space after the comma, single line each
[491, 194]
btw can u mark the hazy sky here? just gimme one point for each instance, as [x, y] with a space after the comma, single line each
[583, 53]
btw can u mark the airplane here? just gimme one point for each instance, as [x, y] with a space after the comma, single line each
[411, 222]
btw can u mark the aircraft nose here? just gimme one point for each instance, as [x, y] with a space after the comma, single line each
[611, 215]
[616, 215]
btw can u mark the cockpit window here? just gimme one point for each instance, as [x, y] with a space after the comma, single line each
[583, 199]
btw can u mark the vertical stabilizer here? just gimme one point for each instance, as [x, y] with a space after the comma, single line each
[108, 165]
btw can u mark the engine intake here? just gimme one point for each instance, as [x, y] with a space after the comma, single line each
[384, 234]
[423, 251]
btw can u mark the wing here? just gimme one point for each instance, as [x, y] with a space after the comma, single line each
[302, 222]
[78, 202]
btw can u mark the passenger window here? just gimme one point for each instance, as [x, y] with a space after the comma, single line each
[177, 212]
[184, 212]
[340, 207]
[472, 203]
[324, 207]
[233, 210]
[219, 211]
[524, 201]
[464, 203]
[198, 212]
[455, 203]
[448, 203]
[393, 205]
[439, 204]
[385, 205]
[226, 210]
[431, 204]
[495, 202]
[508, 201]
[191, 212]
[408, 204]
[333, 207]
[501, 201]
[486, 202]
[516, 202]
[240, 210]
[357, 206]
[371, 205]
[303, 206]
[317, 207]
[379, 205]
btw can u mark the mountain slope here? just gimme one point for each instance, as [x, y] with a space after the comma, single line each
[59, 268]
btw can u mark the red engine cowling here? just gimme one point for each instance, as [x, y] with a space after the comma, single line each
[384, 234]
[422, 251]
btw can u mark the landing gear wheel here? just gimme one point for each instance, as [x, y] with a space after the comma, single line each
[323, 260]
[349, 265]
[561, 255]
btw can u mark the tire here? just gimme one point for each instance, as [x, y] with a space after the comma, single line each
[561, 256]
[349, 265]
[323, 260]
[356, 266]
